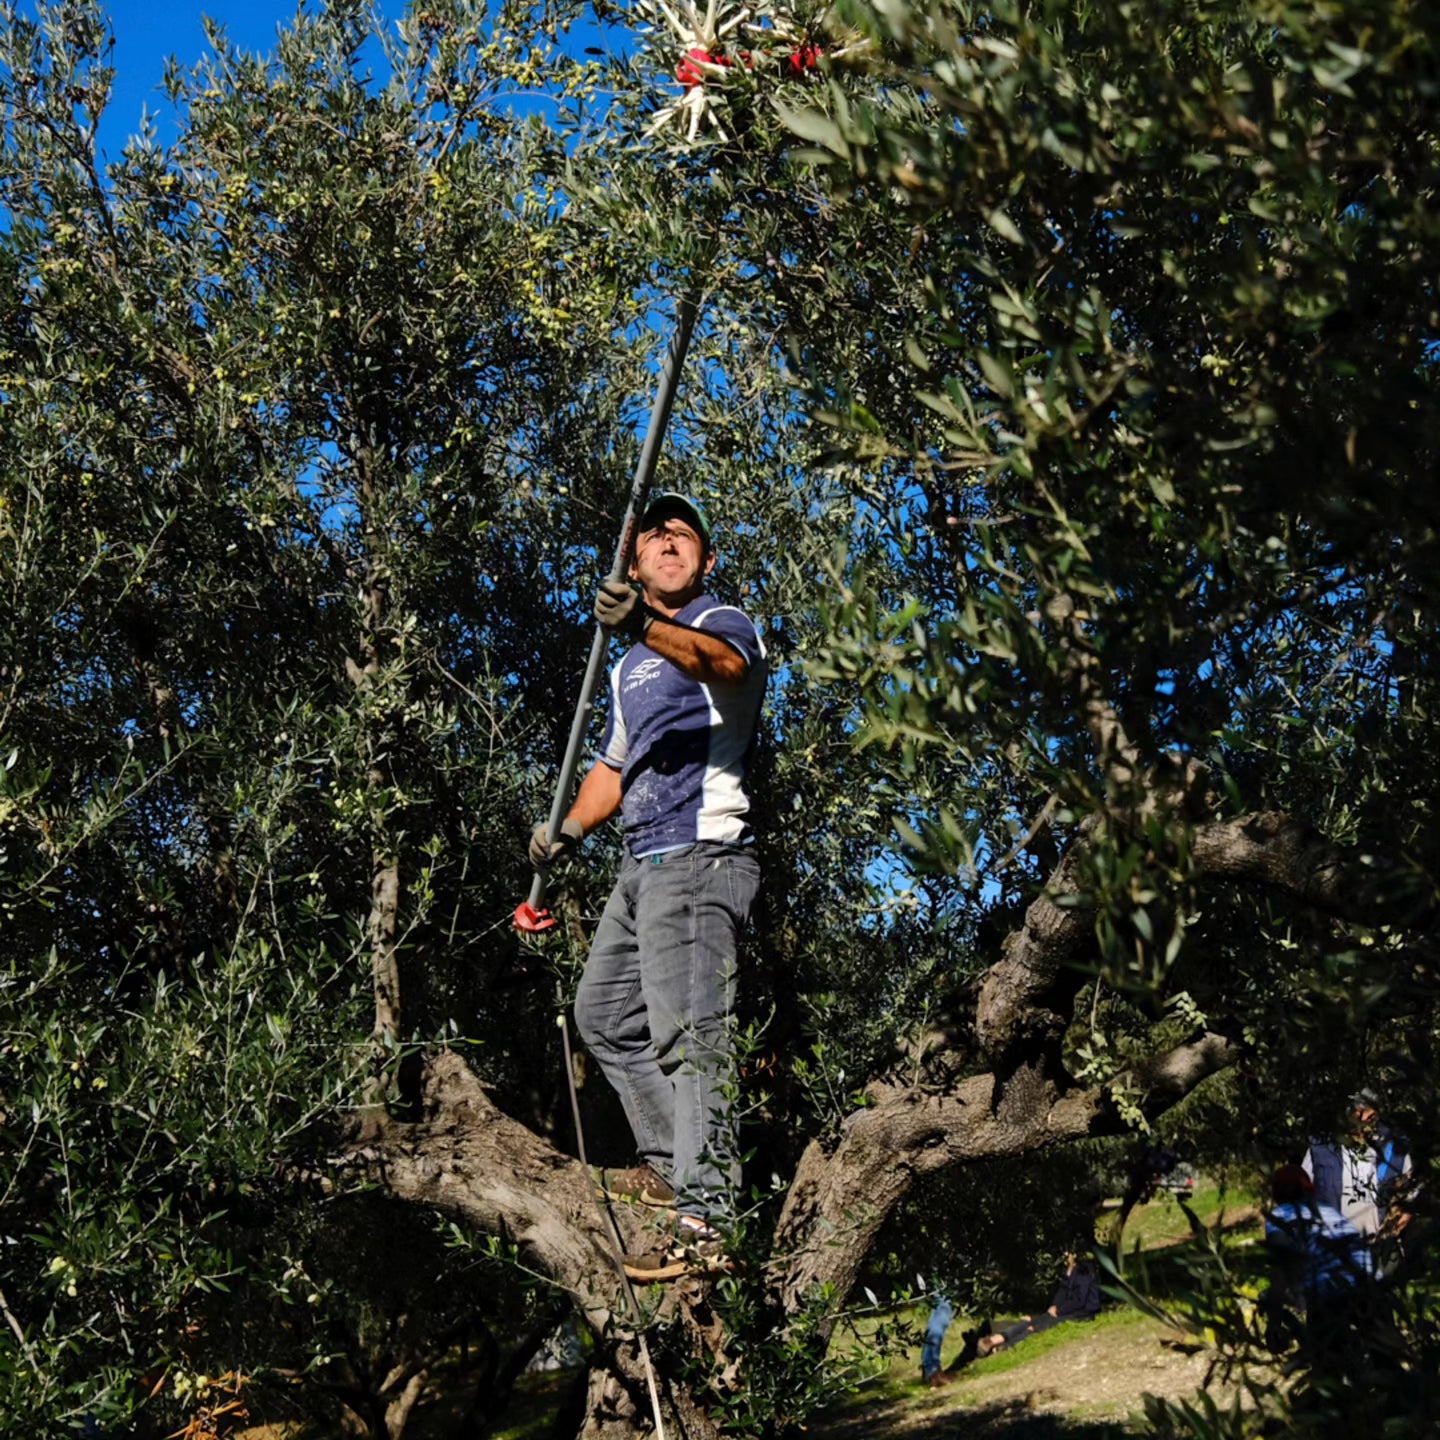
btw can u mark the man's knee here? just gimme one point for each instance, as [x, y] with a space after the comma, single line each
[594, 1017]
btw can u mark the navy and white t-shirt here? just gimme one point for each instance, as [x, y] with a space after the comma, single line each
[681, 746]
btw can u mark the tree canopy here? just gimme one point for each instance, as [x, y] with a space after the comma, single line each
[1065, 399]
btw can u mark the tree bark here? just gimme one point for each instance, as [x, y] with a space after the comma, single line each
[466, 1159]
[1278, 851]
[399, 1407]
[382, 927]
[838, 1201]
[1009, 1011]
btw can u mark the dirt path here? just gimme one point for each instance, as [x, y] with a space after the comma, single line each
[1079, 1389]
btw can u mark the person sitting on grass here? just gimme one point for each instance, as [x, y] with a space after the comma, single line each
[1077, 1297]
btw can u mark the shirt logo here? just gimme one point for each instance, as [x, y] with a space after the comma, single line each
[644, 672]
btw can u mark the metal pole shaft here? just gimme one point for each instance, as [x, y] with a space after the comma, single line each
[618, 1255]
[686, 310]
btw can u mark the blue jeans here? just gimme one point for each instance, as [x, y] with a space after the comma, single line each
[935, 1328]
[655, 1006]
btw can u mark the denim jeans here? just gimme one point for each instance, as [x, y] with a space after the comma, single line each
[655, 1006]
[935, 1328]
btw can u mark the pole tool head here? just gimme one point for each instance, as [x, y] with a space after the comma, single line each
[531, 920]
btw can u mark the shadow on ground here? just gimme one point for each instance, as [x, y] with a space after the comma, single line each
[1004, 1420]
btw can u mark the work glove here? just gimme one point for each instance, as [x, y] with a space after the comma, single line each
[543, 853]
[619, 608]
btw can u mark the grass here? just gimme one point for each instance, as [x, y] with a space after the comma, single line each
[1078, 1381]
[1158, 1243]
[900, 1378]
[1160, 1246]
[1162, 1222]
[1035, 1346]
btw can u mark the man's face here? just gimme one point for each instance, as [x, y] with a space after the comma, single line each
[670, 562]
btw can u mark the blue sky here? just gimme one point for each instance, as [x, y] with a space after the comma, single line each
[147, 33]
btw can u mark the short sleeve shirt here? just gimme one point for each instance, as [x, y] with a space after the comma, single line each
[681, 746]
[1329, 1251]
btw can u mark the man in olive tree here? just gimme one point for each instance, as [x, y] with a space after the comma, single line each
[656, 1000]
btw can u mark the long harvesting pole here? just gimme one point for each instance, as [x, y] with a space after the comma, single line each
[530, 914]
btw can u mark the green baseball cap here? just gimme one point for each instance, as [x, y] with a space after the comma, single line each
[670, 503]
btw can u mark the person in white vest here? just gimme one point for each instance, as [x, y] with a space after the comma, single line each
[1359, 1173]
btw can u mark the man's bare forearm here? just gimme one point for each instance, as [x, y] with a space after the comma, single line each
[598, 798]
[700, 655]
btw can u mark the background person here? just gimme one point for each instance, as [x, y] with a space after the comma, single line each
[1324, 1250]
[1320, 1264]
[1077, 1297]
[1360, 1172]
[942, 1312]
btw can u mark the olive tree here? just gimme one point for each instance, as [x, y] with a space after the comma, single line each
[1060, 397]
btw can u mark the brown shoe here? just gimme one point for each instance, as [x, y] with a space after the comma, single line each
[936, 1379]
[638, 1185]
[689, 1252]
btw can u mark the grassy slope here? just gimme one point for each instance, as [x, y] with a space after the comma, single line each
[1157, 1237]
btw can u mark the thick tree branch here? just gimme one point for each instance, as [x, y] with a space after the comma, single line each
[1277, 850]
[1270, 849]
[468, 1160]
[1118, 757]
[840, 1199]
[382, 927]
[1010, 1008]
[1173, 1075]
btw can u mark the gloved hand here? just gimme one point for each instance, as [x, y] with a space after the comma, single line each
[544, 854]
[619, 608]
